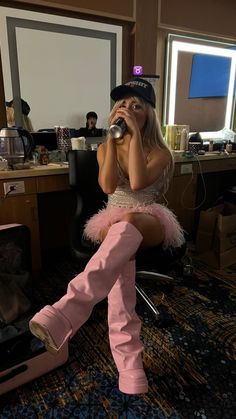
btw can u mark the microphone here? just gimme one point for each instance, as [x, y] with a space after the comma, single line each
[118, 128]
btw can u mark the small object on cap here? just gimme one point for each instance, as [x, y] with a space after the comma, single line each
[137, 70]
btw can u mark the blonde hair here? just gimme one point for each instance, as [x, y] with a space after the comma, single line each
[151, 133]
[26, 122]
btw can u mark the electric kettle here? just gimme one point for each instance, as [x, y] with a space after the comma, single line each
[16, 145]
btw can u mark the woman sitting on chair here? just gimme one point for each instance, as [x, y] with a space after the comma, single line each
[135, 172]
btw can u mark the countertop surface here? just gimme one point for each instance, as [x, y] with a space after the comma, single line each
[63, 168]
[44, 170]
[215, 155]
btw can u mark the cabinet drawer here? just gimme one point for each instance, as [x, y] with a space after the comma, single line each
[219, 165]
[28, 183]
[53, 183]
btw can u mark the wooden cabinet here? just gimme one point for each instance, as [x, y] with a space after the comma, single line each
[181, 198]
[23, 209]
[55, 211]
[52, 183]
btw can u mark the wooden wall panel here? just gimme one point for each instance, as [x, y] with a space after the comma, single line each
[3, 117]
[145, 38]
[213, 17]
[122, 9]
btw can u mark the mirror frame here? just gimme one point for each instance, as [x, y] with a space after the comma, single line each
[13, 20]
[184, 43]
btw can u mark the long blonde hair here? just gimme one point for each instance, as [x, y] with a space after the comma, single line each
[151, 133]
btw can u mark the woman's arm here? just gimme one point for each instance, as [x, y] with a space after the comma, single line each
[107, 161]
[145, 171]
[142, 171]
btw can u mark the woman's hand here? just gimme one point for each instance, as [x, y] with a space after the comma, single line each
[130, 120]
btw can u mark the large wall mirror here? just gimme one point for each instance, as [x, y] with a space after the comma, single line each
[62, 67]
[200, 84]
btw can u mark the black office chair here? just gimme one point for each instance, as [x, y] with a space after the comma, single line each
[153, 263]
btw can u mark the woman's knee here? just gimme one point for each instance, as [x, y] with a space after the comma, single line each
[132, 218]
[127, 217]
[150, 227]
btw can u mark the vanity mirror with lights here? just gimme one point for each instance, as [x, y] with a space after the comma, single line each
[200, 84]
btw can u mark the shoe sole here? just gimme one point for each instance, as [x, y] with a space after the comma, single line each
[133, 382]
[42, 333]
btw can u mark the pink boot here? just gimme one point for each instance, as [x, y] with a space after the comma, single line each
[55, 324]
[124, 333]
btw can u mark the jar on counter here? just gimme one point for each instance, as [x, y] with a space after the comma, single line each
[229, 147]
[43, 156]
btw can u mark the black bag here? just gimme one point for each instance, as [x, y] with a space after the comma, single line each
[15, 272]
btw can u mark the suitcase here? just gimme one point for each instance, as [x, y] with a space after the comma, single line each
[23, 357]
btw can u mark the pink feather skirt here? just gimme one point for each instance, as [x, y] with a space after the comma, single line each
[174, 234]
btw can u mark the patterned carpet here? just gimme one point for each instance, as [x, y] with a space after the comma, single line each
[189, 355]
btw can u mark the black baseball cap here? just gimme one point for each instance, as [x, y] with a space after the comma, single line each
[91, 114]
[136, 86]
[25, 108]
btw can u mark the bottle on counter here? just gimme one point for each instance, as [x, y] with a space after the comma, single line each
[229, 147]
[177, 141]
[184, 140]
[210, 146]
[43, 155]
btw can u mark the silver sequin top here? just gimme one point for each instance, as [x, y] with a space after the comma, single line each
[124, 196]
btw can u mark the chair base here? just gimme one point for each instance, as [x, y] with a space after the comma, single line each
[148, 302]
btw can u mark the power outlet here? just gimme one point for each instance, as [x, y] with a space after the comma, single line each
[13, 188]
[186, 169]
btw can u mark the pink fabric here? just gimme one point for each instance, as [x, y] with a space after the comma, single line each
[124, 332]
[174, 235]
[53, 321]
[124, 324]
[100, 274]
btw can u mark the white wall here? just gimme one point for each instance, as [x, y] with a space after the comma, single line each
[61, 75]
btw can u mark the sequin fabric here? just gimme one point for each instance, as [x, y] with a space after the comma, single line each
[126, 198]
